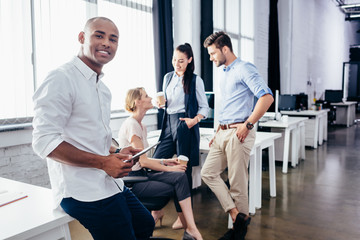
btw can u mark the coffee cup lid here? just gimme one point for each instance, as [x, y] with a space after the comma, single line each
[183, 157]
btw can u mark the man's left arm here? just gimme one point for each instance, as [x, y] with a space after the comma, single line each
[261, 107]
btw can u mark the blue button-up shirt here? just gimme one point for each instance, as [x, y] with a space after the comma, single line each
[239, 83]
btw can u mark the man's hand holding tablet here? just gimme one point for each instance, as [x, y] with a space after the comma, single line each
[136, 157]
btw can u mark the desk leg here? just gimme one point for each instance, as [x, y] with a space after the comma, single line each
[230, 222]
[286, 151]
[302, 140]
[348, 116]
[272, 173]
[316, 132]
[294, 148]
[321, 130]
[252, 184]
[66, 230]
[325, 122]
[258, 189]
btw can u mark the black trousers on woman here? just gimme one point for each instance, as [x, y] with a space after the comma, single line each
[162, 184]
[175, 139]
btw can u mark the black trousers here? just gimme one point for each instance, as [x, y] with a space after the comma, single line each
[162, 184]
[175, 140]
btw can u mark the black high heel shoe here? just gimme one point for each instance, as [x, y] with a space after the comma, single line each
[187, 236]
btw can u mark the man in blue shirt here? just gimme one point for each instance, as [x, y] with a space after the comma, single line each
[235, 136]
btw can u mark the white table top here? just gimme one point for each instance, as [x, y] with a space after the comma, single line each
[280, 124]
[343, 103]
[29, 216]
[305, 112]
[206, 134]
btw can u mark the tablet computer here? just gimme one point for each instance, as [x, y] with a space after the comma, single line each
[145, 150]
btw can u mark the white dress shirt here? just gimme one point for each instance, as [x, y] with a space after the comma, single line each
[73, 106]
[175, 96]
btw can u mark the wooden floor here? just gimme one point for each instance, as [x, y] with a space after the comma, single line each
[319, 199]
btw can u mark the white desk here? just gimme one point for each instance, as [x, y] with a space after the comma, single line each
[32, 217]
[345, 113]
[263, 140]
[315, 127]
[294, 125]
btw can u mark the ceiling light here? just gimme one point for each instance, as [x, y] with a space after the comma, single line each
[354, 16]
[350, 5]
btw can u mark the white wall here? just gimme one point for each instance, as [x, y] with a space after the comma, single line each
[314, 43]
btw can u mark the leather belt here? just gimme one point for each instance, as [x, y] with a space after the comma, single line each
[227, 126]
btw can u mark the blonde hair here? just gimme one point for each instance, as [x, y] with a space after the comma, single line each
[132, 95]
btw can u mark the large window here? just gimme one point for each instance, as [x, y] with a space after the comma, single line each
[236, 18]
[45, 37]
[15, 62]
[134, 64]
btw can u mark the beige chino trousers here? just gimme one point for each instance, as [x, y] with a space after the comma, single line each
[227, 151]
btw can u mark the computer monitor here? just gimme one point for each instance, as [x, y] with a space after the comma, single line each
[209, 121]
[287, 102]
[333, 96]
[301, 101]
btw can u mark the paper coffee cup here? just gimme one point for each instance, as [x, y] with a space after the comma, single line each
[160, 97]
[285, 118]
[183, 159]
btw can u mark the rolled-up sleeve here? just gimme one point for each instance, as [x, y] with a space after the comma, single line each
[52, 109]
[254, 81]
[201, 97]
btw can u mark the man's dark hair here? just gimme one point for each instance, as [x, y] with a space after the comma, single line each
[220, 39]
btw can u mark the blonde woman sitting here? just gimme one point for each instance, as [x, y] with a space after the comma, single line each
[167, 177]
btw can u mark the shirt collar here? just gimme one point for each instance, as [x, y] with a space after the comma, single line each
[177, 77]
[85, 70]
[227, 68]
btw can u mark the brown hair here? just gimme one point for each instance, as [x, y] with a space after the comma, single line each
[188, 75]
[131, 96]
[220, 39]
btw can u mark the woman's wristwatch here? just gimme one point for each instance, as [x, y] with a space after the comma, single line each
[117, 150]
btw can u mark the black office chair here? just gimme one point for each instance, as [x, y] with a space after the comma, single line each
[331, 114]
[151, 203]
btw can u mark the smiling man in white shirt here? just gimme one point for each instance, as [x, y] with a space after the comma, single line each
[71, 130]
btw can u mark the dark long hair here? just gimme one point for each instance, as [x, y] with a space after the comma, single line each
[189, 72]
